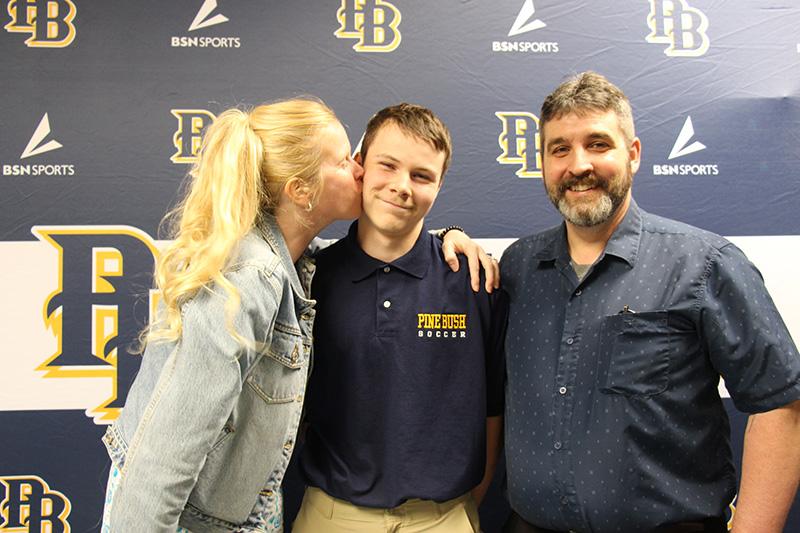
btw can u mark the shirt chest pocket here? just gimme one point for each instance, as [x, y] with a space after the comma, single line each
[634, 354]
[280, 375]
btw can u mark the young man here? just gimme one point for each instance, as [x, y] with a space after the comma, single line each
[405, 399]
[621, 323]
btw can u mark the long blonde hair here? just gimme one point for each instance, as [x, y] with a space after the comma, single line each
[245, 160]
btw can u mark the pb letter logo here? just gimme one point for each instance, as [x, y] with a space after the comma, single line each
[30, 506]
[49, 22]
[188, 136]
[678, 25]
[373, 22]
[520, 143]
[102, 302]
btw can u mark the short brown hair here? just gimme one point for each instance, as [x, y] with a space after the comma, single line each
[588, 91]
[413, 120]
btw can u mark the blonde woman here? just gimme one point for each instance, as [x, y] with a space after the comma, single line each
[210, 422]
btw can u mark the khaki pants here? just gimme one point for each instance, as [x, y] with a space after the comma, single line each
[322, 513]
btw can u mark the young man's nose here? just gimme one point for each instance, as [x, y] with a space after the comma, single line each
[401, 184]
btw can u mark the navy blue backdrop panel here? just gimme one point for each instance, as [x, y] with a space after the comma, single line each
[103, 104]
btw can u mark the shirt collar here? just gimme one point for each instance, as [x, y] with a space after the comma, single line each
[624, 242]
[360, 264]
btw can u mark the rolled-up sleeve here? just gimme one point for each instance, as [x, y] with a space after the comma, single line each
[748, 341]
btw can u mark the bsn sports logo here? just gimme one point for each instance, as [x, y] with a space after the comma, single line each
[48, 21]
[205, 19]
[102, 302]
[373, 22]
[524, 23]
[683, 28]
[188, 136]
[682, 148]
[37, 146]
[520, 143]
[31, 506]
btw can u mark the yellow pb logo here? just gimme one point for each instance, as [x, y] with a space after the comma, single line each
[373, 22]
[188, 136]
[520, 143]
[48, 21]
[678, 25]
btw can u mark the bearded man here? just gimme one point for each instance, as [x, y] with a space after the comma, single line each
[620, 326]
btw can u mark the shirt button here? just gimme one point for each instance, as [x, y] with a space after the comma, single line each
[564, 500]
[578, 292]
[570, 341]
[387, 304]
[386, 269]
[562, 390]
[557, 445]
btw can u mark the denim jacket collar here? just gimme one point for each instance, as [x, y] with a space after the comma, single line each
[268, 226]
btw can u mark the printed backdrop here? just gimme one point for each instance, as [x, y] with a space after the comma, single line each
[103, 104]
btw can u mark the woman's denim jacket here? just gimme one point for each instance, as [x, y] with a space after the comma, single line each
[209, 424]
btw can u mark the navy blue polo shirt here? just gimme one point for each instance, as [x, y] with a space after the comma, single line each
[408, 363]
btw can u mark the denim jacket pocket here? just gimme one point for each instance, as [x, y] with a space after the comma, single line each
[280, 376]
[634, 354]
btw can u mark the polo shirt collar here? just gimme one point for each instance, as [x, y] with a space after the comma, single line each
[624, 242]
[361, 265]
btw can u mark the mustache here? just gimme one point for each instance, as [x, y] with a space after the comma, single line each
[585, 179]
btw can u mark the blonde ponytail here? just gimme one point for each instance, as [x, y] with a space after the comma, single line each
[245, 160]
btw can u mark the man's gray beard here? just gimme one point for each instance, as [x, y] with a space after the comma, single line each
[594, 215]
[604, 209]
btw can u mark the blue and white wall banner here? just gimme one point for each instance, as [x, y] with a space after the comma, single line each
[104, 104]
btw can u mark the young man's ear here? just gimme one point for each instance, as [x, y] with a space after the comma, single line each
[358, 159]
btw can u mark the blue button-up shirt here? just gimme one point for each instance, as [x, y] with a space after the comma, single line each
[613, 417]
